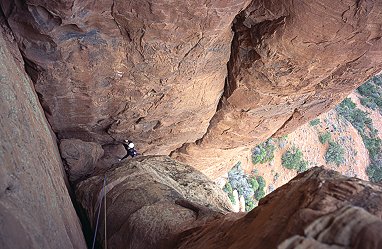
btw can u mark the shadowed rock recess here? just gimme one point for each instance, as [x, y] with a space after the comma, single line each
[195, 81]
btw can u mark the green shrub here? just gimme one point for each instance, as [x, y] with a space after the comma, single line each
[373, 145]
[374, 172]
[232, 198]
[259, 156]
[261, 182]
[324, 137]
[259, 194]
[377, 80]
[255, 185]
[347, 103]
[335, 153]
[228, 189]
[369, 103]
[358, 118]
[293, 159]
[368, 89]
[249, 205]
[263, 152]
[372, 93]
[260, 191]
[314, 122]
[303, 166]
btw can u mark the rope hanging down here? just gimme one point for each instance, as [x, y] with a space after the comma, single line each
[99, 212]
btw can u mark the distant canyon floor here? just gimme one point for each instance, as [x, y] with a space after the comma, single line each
[306, 139]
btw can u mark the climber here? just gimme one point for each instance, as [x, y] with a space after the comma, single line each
[131, 151]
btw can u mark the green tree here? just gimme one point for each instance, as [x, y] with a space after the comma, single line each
[261, 182]
[264, 152]
[293, 159]
[259, 194]
[335, 153]
[314, 122]
[324, 137]
[255, 185]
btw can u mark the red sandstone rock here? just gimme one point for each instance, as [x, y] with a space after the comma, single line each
[155, 202]
[150, 71]
[150, 200]
[317, 209]
[80, 157]
[35, 208]
[290, 61]
[154, 71]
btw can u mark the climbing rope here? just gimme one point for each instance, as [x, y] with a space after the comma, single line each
[99, 212]
[104, 198]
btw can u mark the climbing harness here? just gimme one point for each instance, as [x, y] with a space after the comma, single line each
[99, 212]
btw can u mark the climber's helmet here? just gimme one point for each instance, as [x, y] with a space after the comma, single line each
[131, 145]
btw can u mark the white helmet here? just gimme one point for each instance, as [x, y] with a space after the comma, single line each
[131, 145]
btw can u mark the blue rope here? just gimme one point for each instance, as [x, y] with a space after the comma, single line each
[99, 212]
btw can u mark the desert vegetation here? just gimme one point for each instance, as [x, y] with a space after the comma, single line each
[371, 93]
[250, 186]
[364, 125]
[293, 159]
[264, 152]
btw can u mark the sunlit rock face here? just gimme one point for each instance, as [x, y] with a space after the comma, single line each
[290, 61]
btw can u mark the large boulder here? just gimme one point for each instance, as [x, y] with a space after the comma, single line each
[35, 208]
[150, 200]
[80, 157]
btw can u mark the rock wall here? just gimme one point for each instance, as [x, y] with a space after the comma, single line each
[156, 202]
[150, 71]
[156, 71]
[35, 208]
[290, 61]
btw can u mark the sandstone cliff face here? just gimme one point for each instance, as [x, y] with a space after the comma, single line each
[155, 202]
[156, 72]
[290, 61]
[151, 71]
[35, 208]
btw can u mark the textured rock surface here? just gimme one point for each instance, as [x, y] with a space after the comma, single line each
[35, 208]
[290, 61]
[317, 209]
[151, 71]
[155, 202]
[150, 200]
[349, 227]
[80, 157]
[154, 71]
